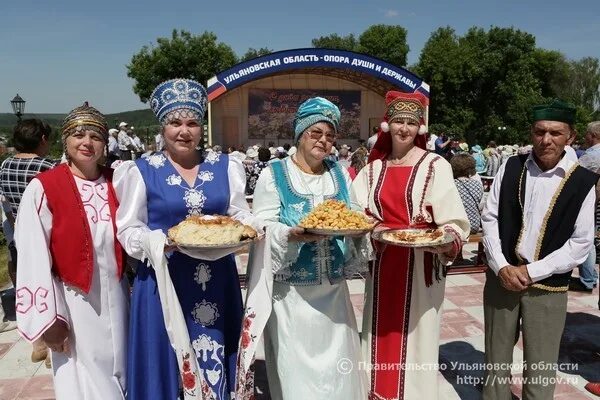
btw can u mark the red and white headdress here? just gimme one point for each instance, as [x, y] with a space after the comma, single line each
[405, 105]
[400, 105]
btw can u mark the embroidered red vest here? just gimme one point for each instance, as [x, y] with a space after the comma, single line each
[71, 244]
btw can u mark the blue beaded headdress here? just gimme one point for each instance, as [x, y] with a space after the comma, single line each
[178, 94]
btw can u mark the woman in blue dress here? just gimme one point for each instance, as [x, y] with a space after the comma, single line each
[156, 193]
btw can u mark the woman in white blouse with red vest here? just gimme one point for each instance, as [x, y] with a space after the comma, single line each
[70, 291]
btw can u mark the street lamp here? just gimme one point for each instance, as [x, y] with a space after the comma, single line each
[18, 106]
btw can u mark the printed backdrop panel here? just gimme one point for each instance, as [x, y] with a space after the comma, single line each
[271, 111]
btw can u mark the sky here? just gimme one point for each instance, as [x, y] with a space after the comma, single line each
[56, 54]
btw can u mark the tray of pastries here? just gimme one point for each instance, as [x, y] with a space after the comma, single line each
[334, 218]
[413, 237]
[211, 232]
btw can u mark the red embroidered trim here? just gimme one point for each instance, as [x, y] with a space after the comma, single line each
[411, 183]
[420, 218]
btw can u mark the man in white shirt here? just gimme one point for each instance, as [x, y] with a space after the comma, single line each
[113, 145]
[137, 143]
[588, 276]
[125, 143]
[537, 228]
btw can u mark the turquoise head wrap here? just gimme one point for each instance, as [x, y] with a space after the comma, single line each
[313, 110]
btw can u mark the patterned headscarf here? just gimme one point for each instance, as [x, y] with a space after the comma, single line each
[85, 118]
[313, 110]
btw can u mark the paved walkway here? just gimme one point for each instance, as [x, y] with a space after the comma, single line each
[461, 345]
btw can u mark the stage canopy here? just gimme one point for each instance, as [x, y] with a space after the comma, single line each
[293, 75]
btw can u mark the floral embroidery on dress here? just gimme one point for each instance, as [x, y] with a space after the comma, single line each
[187, 376]
[212, 157]
[174, 180]
[205, 313]
[302, 273]
[207, 392]
[194, 201]
[193, 197]
[247, 337]
[206, 348]
[245, 381]
[202, 275]
[298, 207]
[156, 160]
[206, 176]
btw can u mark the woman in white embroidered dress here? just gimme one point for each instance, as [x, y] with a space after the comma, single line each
[404, 186]
[312, 327]
[70, 292]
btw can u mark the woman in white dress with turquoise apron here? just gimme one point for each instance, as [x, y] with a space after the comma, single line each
[312, 346]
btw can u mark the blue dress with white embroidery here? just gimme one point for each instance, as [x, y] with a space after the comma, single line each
[208, 291]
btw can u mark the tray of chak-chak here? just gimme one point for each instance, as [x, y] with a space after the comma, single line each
[210, 232]
[413, 237]
[333, 218]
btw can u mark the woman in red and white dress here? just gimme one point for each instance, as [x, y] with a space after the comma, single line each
[404, 186]
[70, 287]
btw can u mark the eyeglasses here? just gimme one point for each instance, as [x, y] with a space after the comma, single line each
[317, 134]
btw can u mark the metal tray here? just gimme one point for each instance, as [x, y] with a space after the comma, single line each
[237, 245]
[380, 236]
[338, 232]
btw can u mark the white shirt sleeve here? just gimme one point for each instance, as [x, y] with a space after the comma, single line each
[447, 207]
[359, 190]
[267, 207]
[359, 250]
[39, 302]
[575, 250]
[489, 223]
[132, 214]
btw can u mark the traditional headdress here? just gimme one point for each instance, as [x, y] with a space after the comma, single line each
[400, 105]
[313, 110]
[178, 98]
[557, 110]
[405, 105]
[85, 118]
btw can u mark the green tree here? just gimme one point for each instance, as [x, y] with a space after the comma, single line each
[583, 85]
[387, 42]
[488, 79]
[254, 53]
[553, 70]
[183, 55]
[334, 41]
[440, 64]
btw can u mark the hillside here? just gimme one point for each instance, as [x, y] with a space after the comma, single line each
[136, 118]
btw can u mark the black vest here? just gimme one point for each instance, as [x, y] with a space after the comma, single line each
[558, 224]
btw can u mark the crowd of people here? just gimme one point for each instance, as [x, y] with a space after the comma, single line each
[181, 329]
[124, 143]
